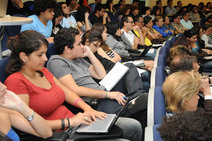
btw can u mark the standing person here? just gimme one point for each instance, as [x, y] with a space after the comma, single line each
[38, 88]
[170, 10]
[179, 5]
[42, 19]
[77, 75]
[15, 113]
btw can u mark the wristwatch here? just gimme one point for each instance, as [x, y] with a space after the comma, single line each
[29, 118]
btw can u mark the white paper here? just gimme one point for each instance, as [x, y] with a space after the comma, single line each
[208, 57]
[136, 62]
[113, 77]
[140, 71]
[151, 50]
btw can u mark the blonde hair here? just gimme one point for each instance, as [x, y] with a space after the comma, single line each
[180, 87]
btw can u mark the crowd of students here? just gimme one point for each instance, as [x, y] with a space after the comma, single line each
[89, 40]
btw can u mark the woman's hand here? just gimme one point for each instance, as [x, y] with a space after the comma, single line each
[119, 97]
[95, 114]
[79, 119]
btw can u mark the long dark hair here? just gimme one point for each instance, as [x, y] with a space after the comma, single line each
[112, 27]
[80, 16]
[27, 42]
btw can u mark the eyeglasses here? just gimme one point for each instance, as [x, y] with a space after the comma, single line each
[96, 44]
[131, 22]
[141, 21]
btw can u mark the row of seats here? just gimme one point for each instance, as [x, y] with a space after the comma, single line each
[156, 109]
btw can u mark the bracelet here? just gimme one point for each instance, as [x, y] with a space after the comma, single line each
[106, 94]
[68, 122]
[30, 118]
[75, 104]
[62, 124]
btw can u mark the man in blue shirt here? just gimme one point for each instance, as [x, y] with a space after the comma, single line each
[42, 19]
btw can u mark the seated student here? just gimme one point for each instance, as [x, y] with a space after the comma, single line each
[42, 19]
[72, 5]
[68, 20]
[124, 11]
[139, 21]
[102, 29]
[127, 25]
[177, 25]
[148, 24]
[56, 20]
[15, 113]
[134, 11]
[187, 126]
[166, 34]
[38, 88]
[18, 7]
[77, 74]
[181, 89]
[99, 15]
[195, 17]
[207, 31]
[83, 21]
[168, 26]
[104, 50]
[147, 12]
[185, 20]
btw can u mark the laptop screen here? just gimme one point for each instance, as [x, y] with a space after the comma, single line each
[3, 8]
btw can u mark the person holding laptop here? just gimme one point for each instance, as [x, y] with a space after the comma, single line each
[45, 94]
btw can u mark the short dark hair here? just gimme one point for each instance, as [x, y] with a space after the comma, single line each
[100, 27]
[99, 7]
[185, 13]
[187, 126]
[157, 2]
[65, 37]
[43, 5]
[178, 2]
[80, 16]
[91, 35]
[191, 32]
[147, 19]
[124, 19]
[112, 27]
[175, 16]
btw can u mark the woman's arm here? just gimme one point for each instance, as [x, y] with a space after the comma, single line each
[87, 23]
[73, 99]
[19, 114]
[96, 69]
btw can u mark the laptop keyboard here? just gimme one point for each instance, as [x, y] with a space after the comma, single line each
[100, 125]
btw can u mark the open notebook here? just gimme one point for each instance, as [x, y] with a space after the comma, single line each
[102, 126]
[114, 75]
[3, 8]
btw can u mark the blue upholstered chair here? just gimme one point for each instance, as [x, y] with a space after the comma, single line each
[159, 105]
[3, 64]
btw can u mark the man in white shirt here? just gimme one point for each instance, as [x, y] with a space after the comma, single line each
[185, 20]
[127, 24]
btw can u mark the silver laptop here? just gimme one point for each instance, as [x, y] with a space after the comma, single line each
[101, 126]
[3, 8]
